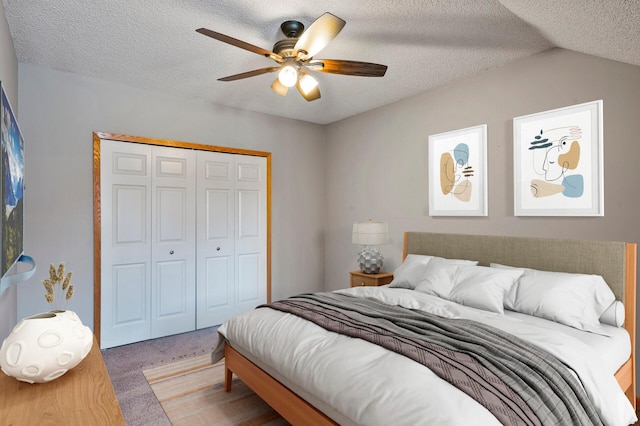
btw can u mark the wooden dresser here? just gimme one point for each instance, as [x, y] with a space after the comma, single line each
[82, 396]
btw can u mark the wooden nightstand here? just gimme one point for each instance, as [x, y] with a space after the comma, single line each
[359, 278]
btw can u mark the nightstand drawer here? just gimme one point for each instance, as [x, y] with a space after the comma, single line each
[360, 279]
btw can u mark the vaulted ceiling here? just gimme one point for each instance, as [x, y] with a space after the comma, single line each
[153, 45]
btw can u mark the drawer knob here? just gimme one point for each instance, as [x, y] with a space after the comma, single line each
[362, 284]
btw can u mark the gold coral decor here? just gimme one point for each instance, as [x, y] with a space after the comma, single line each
[58, 286]
[43, 347]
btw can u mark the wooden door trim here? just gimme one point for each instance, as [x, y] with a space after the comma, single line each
[97, 234]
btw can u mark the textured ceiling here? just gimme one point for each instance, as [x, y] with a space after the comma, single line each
[152, 44]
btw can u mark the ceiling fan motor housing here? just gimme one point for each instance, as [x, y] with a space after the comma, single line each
[292, 29]
[285, 48]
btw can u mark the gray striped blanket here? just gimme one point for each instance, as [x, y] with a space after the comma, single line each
[517, 382]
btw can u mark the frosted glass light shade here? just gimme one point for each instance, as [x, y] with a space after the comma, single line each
[288, 76]
[308, 83]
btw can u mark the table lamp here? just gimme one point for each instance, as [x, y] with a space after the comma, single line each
[369, 234]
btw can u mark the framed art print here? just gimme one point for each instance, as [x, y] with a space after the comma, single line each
[12, 182]
[558, 165]
[458, 172]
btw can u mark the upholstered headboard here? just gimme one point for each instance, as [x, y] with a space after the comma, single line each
[604, 258]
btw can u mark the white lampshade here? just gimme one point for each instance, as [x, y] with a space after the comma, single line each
[370, 233]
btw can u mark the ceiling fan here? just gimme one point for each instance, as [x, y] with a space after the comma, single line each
[295, 53]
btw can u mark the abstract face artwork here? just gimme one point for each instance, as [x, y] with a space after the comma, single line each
[455, 172]
[558, 162]
[556, 154]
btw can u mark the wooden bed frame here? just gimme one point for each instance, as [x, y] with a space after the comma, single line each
[615, 261]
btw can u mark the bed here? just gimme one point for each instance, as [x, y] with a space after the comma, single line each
[268, 348]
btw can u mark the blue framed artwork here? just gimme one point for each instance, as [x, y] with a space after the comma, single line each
[12, 182]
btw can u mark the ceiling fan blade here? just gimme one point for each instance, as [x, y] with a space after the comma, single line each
[311, 95]
[249, 74]
[318, 35]
[279, 88]
[337, 66]
[239, 43]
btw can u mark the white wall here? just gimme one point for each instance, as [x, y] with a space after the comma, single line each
[9, 79]
[59, 112]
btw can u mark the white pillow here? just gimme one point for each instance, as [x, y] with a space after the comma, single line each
[412, 270]
[482, 287]
[614, 314]
[409, 273]
[438, 278]
[576, 300]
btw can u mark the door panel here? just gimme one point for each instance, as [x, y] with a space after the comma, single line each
[248, 214]
[173, 250]
[215, 244]
[251, 232]
[219, 293]
[248, 280]
[249, 171]
[130, 296]
[171, 214]
[171, 285]
[217, 214]
[130, 215]
[126, 243]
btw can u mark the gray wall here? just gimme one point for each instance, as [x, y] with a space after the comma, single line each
[9, 79]
[59, 112]
[378, 160]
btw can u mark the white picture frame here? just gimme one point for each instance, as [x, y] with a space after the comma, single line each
[458, 172]
[558, 162]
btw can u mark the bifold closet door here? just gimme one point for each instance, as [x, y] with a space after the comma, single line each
[173, 274]
[148, 242]
[125, 199]
[231, 230]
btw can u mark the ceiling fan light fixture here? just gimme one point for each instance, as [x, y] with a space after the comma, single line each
[308, 83]
[288, 75]
[294, 56]
[277, 87]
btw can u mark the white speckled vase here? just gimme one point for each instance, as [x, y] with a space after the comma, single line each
[43, 347]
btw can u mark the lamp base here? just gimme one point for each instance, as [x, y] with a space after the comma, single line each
[370, 260]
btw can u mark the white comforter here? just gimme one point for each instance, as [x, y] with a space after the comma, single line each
[357, 382]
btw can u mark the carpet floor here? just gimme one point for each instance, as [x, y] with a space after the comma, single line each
[191, 391]
[139, 405]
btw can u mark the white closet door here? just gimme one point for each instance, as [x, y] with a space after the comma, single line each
[125, 189]
[215, 234]
[251, 232]
[183, 239]
[173, 292]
